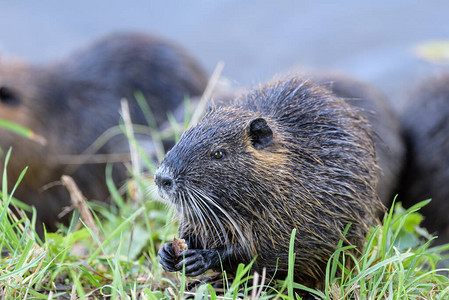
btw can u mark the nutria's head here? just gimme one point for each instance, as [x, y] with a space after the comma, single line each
[16, 86]
[212, 171]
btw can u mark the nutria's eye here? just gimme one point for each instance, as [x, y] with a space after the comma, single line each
[219, 154]
[8, 96]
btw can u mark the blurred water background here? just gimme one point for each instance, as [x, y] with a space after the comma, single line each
[372, 40]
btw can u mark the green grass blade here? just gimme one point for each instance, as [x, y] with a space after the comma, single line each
[21, 130]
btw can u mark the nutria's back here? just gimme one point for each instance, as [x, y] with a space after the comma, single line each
[72, 102]
[426, 127]
[287, 155]
[385, 124]
[122, 63]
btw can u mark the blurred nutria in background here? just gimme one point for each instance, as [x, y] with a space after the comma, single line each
[385, 124]
[426, 128]
[72, 102]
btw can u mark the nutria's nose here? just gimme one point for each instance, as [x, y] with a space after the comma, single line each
[163, 181]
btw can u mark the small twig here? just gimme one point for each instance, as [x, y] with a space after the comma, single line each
[207, 94]
[79, 203]
[255, 289]
[130, 134]
[258, 288]
[262, 282]
[73, 293]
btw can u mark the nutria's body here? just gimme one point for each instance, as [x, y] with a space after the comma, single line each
[426, 127]
[385, 124]
[287, 155]
[71, 103]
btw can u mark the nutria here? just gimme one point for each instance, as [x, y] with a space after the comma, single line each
[72, 102]
[425, 120]
[287, 155]
[385, 124]
[121, 64]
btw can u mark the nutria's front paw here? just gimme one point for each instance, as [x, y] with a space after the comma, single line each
[167, 258]
[197, 261]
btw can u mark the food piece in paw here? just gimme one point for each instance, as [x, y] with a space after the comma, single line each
[179, 245]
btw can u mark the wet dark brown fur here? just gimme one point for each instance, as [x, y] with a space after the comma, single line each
[288, 155]
[72, 102]
[385, 124]
[426, 127]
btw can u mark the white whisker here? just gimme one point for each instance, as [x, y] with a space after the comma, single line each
[199, 215]
[226, 214]
[223, 237]
[188, 210]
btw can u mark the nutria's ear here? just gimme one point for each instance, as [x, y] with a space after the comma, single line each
[8, 96]
[260, 133]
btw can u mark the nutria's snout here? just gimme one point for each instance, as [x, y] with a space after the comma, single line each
[165, 183]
